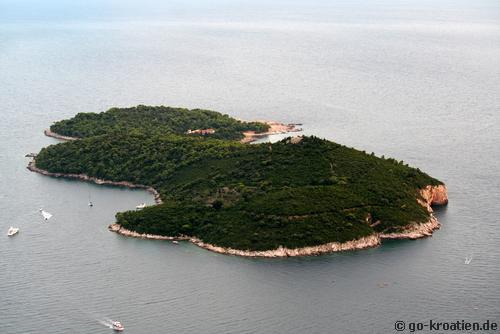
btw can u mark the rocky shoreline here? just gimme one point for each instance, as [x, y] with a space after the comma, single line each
[414, 231]
[433, 195]
[438, 196]
[430, 195]
[274, 128]
[366, 242]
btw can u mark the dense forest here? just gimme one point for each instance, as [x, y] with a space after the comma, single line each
[154, 120]
[254, 197]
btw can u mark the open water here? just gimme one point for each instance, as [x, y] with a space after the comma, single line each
[415, 80]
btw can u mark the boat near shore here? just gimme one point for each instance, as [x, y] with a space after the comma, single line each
[429, 195]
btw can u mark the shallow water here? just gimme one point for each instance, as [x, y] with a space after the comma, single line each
[415, 80]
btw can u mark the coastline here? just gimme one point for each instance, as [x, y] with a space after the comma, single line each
[250, 136]
[83, 177]
[433, 195]
[413, 231]
[362, 243]
[49, 133]
[274, 128]
[439, 196]
[430, 195]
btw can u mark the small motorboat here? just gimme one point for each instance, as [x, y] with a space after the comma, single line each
[45, 214]
[175, 242]
[12, 231]
[91, 204]
[141, 206]
[117, 326]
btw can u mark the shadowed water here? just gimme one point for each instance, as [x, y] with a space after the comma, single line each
[415, 80]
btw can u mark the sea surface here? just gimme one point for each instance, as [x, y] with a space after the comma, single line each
[417, 80]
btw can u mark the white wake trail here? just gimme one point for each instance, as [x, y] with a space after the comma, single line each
[105, 322]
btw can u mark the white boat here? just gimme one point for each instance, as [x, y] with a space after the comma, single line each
[175, 242]
[141, 206]
[45, 214]
[91, 204]
[468, 260]
[117, 326]
[12, 231]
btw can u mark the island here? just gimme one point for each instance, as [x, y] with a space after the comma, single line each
[302, 195]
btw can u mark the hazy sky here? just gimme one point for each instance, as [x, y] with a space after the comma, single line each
[326, 10]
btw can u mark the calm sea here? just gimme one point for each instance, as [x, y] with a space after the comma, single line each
[415, 80]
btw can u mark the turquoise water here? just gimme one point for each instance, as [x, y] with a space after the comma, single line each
[415, 80]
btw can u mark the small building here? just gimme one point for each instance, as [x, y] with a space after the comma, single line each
[203, 132]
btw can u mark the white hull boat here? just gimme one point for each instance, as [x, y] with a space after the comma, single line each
[141, 206]
[45, 214]
[12, 231]
[117, 326]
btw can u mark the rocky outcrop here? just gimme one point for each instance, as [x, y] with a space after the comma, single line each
[430, 195]
[433, 195]
[414, 231]
[295, 140]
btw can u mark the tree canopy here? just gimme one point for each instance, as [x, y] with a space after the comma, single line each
[154, 120]
[252, 197]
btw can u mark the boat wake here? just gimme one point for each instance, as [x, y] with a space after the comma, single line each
[105, 322]
[113, 324]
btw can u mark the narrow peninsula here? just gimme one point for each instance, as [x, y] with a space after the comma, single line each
[300, 196]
